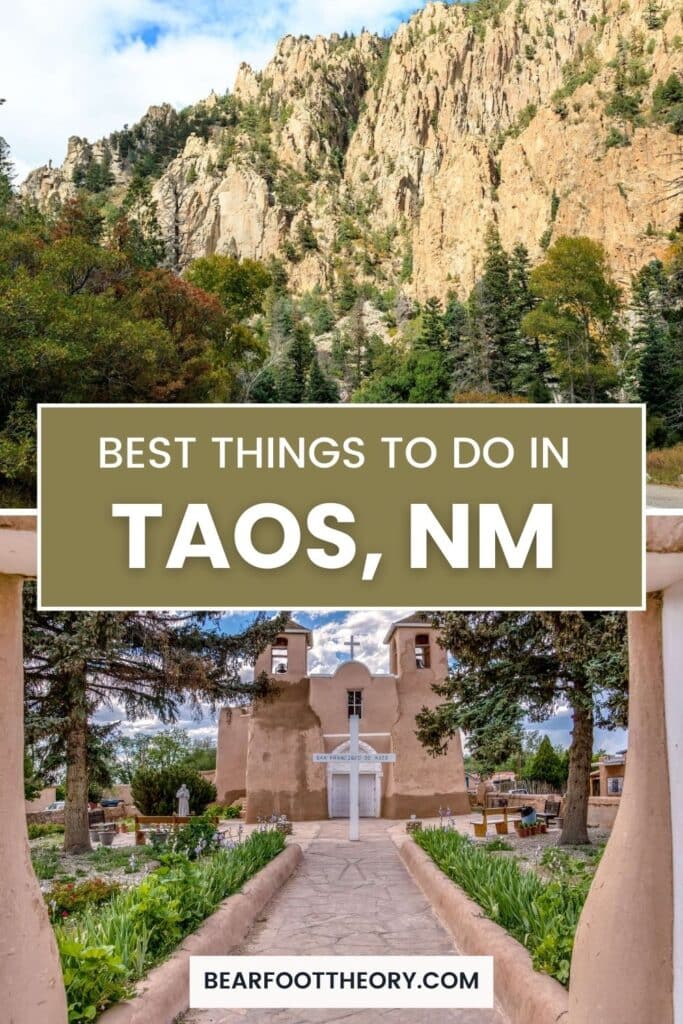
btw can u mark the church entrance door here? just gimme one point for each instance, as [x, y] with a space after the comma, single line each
[369, 790]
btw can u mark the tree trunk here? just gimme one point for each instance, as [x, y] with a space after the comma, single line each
[76, 833]
[575, 827]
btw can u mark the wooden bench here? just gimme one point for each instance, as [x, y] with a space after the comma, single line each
[144, 821]
[487, 813]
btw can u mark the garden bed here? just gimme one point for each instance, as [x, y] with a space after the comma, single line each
[107, 947]
[123, 863]
[539, 906]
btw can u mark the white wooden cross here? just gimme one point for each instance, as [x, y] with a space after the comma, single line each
[354, 759]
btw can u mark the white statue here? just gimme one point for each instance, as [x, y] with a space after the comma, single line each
[183, 795]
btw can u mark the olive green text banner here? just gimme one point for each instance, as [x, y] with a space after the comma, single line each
[341, 506]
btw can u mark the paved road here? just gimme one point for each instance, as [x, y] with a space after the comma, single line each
[663, 496]
[354, 899]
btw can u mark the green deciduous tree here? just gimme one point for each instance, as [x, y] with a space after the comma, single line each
[577, 320]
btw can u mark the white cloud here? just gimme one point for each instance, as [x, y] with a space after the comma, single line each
[74, 67]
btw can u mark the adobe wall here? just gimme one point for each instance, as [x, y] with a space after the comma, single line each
[283, 736]
[231, 754]
[622, 964]
[329, 700]
[418, 783]
[43, 800]
[602, 811]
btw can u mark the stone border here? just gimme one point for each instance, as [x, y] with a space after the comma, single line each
[525, 995]
[164, 993]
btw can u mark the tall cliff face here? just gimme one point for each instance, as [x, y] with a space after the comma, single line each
[388, 159]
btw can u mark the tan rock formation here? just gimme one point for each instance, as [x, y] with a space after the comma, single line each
[423, 140]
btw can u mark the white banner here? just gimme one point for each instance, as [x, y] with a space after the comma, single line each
[341, 982]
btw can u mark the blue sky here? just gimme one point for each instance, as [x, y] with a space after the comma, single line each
[86, 67]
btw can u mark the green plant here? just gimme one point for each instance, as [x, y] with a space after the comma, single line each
[65, 898]
[540, 914]
[195, 839]
[111, 858]
[667, 103]
[94, 978]
[38, 831]
[616, 138]
[104, 949]
[497, 845]
[45, 863]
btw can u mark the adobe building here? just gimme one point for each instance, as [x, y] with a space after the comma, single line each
[265, 753]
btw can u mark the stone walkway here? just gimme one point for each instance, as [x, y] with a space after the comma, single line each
[348, 899]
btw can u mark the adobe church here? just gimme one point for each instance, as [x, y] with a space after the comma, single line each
[265, 753]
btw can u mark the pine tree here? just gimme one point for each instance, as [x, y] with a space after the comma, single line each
[658, 369]
[6, 174]
[546, 765]
[531, 371]
[297, 361]
[357, 344]
[498, 314]
[143, 662]
[432, 332]
[509, 664]
[320, 387]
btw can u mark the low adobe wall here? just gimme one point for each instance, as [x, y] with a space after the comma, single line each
[57, 817]
[165, 993]
[525, 995]
[602, 811]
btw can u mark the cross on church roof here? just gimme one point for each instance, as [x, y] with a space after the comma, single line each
[353, 643]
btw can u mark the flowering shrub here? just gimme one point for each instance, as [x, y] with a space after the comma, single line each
[65, 898]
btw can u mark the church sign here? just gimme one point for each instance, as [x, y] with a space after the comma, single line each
[359, 758]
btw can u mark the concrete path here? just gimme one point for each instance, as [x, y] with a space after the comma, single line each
[663, 496]
[348, 898]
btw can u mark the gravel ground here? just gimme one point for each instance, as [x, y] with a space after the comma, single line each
[77, 867]
[530, 850]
